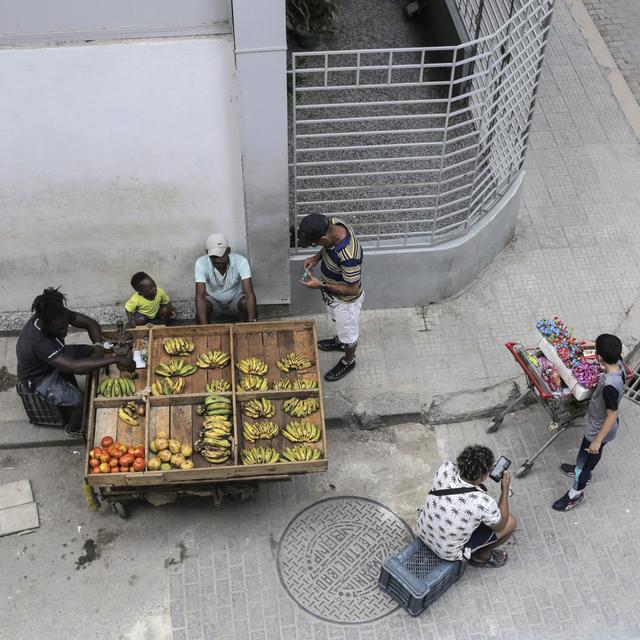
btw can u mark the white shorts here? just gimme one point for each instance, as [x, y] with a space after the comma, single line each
[346, 315]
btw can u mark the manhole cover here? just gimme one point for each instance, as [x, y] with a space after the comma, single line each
[329, 558]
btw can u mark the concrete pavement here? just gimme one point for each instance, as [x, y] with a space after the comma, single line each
[190, 571]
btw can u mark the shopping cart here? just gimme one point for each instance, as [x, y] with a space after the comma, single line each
[562, 408]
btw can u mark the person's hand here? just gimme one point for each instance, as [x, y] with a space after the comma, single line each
[98, 351]
[172, 315]
[126, 363]
[311, 283]
[506, 481]
[594, 447]
[131, 325]
[311, 262]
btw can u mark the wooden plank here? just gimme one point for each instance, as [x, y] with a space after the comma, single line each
[159, 420]
[138, 433]
[285, 343]
[198, 381]
[305, 346]
[106, 425]
[124, 432]
[180, 423]
[272, 325]
[271, 356]
[241, 347]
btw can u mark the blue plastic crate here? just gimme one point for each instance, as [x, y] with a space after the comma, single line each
[416, 576]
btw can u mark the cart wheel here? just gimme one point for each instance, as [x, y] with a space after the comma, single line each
[240, 492]
[524, 470]
[120, 509]
[492, 427]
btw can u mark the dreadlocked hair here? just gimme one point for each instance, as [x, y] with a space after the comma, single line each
[50, 304]
[475, 461]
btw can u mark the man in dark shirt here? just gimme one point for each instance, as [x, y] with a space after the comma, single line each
[47, 366]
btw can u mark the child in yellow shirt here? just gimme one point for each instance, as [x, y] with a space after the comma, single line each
[150, 303]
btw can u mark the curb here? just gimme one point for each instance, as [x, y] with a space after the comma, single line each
[603, 58]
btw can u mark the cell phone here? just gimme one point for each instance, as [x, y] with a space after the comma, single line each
[500, 467]
[306, 274]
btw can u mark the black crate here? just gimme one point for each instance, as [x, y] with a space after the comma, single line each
[416, 576]
[38, 411]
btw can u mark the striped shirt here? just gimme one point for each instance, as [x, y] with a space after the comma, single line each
[342, 263]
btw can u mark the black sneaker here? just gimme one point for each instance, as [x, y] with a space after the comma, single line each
[570, 470]
[330, 345]
[566, 503]
[73, 434]
[340, 370]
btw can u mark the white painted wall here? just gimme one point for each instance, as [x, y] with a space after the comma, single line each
[115, 158]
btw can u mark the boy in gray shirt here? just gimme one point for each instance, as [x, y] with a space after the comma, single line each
[602, 419]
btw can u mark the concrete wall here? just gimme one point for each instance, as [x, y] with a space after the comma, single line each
[259, 29]
[116, 158]
[394, 278]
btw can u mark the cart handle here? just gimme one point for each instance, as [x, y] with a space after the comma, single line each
[545, 395]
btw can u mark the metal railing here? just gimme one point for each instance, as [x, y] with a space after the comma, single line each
[412, 146]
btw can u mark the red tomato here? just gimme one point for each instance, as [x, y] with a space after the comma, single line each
[122, 447]
[93, 463]
[116, 453]
[138, 452]
[95, 470]
[104, 457]
[104, 468]
[123, 469]
[106, 442]
[130, 450]
[138, 464]
[95, 452]
[113, 463]
[126, 460]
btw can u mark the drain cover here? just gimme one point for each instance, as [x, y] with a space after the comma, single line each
[329, 558]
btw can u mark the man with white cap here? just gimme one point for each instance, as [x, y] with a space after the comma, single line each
[223, 283]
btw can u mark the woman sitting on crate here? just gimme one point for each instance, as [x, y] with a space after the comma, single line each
[47, 366]
[459, 520]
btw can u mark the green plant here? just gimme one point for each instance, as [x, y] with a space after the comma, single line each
[311, 15]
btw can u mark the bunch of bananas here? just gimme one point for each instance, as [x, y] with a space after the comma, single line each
[215, 405]
[167, 387]
[297, 384]
[300, 407]
[259, 431]
[253, 365]
[301, 453]
[175, 368]
[254, 383]
[178, 346]
[259, 408]
[214, 444]
[301, 431]
[217, 386]
[218, 359]
[130, 412]
[116, 387]
[259, 455]
[293, 361]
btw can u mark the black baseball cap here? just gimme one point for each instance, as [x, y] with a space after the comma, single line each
[311, 229]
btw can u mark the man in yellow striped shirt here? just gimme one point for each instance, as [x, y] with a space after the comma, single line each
[340, 283]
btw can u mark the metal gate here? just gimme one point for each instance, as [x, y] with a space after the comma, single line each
[412, 146]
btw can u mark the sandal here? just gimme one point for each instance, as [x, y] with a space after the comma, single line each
[498, 559]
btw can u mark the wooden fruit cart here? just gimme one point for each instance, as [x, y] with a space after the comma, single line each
[178, 415]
